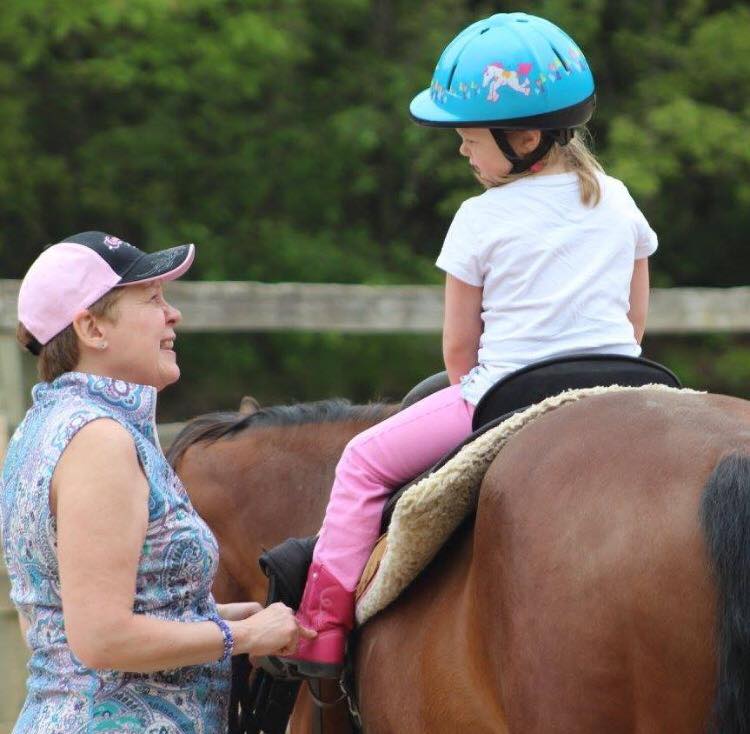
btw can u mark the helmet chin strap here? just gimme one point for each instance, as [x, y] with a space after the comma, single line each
[523, 163]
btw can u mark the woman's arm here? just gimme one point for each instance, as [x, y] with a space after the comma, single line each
[100, 497]
[238, 610]
[462, 327]
[639, 292]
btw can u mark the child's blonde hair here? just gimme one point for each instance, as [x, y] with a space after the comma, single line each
[577, 157]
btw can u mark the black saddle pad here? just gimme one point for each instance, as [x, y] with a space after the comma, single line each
[542, 380]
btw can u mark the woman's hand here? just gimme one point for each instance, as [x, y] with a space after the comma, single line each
[271, 631]
[236, 611]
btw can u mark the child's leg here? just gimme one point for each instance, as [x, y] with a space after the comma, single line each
[373, 465]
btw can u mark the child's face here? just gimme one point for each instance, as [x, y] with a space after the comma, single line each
[485, 158]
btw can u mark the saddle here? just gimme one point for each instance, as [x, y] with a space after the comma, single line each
[542, 380]
[286, 565]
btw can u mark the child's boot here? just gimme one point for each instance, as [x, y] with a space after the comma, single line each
[328, 608]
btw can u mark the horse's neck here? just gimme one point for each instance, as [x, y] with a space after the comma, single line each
[292, 476]
[321, 446]
[261, 487]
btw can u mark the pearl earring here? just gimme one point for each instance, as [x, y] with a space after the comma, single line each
[102, 345]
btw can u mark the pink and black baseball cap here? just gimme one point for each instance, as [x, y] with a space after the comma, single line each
[73, 274]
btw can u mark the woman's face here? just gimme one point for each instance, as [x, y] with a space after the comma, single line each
[140, 338]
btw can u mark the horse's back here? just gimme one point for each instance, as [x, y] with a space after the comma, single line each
[593, 581]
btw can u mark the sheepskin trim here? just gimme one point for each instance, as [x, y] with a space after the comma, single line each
[427, 513]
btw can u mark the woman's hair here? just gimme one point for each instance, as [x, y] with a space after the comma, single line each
[61, 353]
[577, 157]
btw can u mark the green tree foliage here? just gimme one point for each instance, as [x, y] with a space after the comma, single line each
[275, 135]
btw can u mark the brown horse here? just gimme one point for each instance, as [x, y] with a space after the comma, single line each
[581, 599]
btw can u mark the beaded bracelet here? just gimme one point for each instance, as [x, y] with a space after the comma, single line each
[228, 637]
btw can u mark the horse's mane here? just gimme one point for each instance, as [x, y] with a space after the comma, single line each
[225, 424]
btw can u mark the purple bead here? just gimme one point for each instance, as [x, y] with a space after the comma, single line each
[228, 637]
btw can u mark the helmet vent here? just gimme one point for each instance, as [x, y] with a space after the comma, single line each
[562, 60]
[450, 78]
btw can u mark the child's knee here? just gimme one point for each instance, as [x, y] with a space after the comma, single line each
[357, 460]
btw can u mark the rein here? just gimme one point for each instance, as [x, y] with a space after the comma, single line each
[314, 687]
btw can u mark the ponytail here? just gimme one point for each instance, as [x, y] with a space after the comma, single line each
[579, 159]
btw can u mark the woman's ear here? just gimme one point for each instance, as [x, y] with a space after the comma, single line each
[88, 330]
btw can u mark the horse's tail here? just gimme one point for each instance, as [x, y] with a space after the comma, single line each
[725, 516]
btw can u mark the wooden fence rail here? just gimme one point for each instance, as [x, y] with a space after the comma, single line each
[245, 306]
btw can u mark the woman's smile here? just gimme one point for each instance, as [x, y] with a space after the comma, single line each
[167, 345]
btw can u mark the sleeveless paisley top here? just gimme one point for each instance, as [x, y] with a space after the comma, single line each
[177, 565]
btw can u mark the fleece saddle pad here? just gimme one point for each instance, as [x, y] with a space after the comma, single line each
[430, 510]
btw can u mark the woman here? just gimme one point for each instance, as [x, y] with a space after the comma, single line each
[110, 566]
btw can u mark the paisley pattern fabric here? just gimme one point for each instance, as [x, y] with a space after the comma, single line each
[177, 565]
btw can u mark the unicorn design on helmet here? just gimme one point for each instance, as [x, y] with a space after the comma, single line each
[496, 76]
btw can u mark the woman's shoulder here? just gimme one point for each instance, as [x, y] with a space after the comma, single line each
[104, 443]
[66, 417]
[72, 408]
[103, 427]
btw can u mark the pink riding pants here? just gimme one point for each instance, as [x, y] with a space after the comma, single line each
[373, 465]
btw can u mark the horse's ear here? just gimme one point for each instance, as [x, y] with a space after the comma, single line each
[249, 405]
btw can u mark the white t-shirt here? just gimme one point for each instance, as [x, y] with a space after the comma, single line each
[555, 274]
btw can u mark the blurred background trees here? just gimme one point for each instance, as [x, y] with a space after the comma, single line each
[276, 136]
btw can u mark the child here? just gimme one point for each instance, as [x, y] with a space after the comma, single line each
[550, 259]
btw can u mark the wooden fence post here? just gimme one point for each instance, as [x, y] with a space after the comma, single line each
[3, 436]
[12, 385]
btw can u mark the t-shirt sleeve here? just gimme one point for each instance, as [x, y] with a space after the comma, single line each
[459, 256]
[647, 241]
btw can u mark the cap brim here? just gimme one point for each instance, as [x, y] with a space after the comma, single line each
[163, 265]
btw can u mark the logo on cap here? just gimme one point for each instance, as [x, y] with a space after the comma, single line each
[112, 242]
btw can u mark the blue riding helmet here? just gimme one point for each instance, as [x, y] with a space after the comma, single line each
[511, 71]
